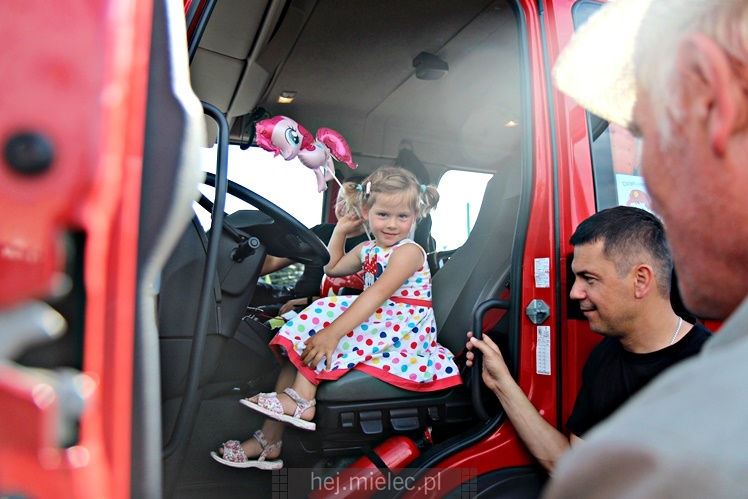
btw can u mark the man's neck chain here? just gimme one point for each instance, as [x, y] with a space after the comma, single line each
[677, 330]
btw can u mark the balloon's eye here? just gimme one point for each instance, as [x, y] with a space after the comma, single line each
[293, 137]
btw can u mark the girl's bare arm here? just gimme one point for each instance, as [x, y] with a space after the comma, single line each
[402, 264]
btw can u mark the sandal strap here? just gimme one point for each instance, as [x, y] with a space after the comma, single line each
[270, 448]
[301, 404]
[266, 449]
[260, 437]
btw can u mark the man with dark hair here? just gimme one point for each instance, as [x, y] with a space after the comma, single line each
[622, 268]
[627, 233]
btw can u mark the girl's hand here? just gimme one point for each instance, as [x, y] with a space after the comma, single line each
[322, 344]
[350, 225]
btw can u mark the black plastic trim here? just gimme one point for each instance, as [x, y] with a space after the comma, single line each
[188, 408]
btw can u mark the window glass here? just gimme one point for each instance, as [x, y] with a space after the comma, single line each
[615, 162]
[460, 198]
[288, 184]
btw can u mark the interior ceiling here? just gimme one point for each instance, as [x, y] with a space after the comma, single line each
[370, 54]
[351, 67]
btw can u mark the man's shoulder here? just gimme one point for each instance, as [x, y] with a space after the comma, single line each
[734, 330]
[699, 334]
[633, 470]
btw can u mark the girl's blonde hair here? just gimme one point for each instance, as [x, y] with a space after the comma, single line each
[391, 180]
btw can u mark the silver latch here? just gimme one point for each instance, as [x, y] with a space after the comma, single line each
[538, 311]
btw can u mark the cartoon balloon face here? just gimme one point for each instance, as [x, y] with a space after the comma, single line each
[286, 135]
[283, 136]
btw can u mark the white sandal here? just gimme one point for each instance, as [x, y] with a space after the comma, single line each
[269, 405]
[234, 456]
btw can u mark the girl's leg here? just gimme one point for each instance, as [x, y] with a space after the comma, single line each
[272, 429]
[306, 390]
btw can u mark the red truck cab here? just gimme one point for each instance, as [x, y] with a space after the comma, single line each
[126, 339]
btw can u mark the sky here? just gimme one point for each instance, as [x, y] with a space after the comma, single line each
[293, 187]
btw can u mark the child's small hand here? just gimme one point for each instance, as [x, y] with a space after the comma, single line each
[351, 225]
[318, 346]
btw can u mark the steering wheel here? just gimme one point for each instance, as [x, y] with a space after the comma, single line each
[285, 237]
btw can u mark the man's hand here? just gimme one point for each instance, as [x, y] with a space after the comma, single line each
[543, 440]
[495, 371]
[322, 344]
[291, 304]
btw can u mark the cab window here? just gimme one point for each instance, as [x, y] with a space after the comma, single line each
[615, 151]
[615, 163]
[287, 184]
[460, 198]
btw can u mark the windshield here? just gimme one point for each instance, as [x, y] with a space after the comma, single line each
[288, 184]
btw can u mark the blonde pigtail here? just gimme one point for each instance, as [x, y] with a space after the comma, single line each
[353, 197]
[429, 199]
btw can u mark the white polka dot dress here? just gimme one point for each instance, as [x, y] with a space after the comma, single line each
[397, 344]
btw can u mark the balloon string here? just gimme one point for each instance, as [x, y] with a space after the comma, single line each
[363, 224]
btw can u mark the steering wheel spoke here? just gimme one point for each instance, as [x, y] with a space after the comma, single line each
[284, 237]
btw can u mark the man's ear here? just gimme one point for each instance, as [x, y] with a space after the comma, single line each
[712, 90]
[643, 280]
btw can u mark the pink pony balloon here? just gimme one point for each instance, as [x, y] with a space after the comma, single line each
[282, 135]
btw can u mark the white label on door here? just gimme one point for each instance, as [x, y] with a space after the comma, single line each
[543, 351]
[542, 272]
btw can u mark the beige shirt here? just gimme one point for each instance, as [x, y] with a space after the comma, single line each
[684, 435]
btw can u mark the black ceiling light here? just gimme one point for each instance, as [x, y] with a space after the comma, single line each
[429, 66]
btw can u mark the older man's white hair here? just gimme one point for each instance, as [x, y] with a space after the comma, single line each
[642, 41]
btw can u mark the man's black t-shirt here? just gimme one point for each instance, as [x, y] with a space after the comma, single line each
[612, 374]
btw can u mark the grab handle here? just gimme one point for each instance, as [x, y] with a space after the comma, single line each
[478, 313]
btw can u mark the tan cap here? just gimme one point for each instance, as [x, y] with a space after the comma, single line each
[596, 68]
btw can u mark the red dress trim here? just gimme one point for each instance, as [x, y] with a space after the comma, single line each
[411, 301]
[406, 384]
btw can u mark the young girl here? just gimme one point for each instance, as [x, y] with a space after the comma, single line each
[388, 331]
